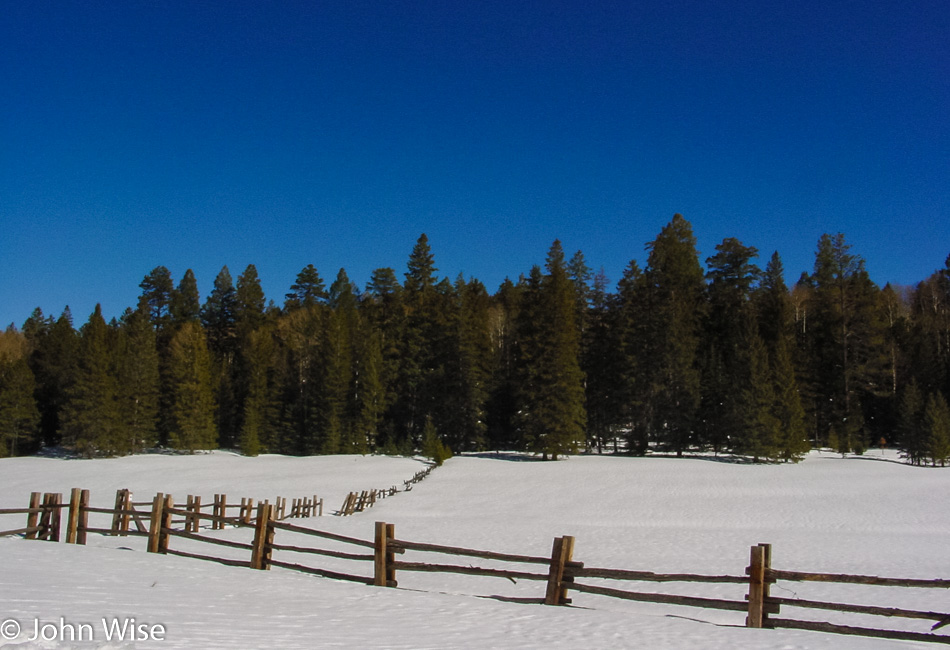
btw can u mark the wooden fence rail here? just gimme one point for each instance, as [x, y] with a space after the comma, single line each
[559, 572]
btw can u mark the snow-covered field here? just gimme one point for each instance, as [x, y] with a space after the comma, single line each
[863, 515]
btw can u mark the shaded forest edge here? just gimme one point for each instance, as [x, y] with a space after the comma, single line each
[674, 358]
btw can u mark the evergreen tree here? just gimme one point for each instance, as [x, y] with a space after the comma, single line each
[260, 422]
[370, 394]
[55, 346]
[137, 371]
[553, 393]
[156, 299]
[301, 335]
[728, 418]
[793, 440]
[19, 416]
[846, 335]
[193, 407]
[673, 310]
[758, 429]
[636, 346]
[502, 406]
[219, 318]
[248, 302]
[308, 290]
[91, 421]
[419, 345]
[602, 364]
[937, 429]
[185, 303]
[913, 441]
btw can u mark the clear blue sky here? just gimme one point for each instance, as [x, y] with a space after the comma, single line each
[200, 134]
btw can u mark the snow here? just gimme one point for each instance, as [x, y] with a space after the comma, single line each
[867, 515]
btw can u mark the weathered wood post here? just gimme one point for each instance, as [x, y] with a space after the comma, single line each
[166, 524]
[263, 537]
[72, 521]
[155, 524]
[384, 570]
[83, 517]
[192, 520]
[561, 553]
[219, 511]
[55, 516]
[33, 516]
[120, 518]
[379, 555]
[756, 586]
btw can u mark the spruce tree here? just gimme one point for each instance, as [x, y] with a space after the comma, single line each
[91, 420]
[913, 441]
[193, 407]
[55, 348]
[19, 416]
[552, 395]
[137, 371]
[674, 305]
[219, 318]
[937, 429]
[308, 290]
[185, 303]
[156, 298]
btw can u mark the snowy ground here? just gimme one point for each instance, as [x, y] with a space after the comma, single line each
[865, 515]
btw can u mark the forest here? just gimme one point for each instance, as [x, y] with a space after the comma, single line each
[674, 358]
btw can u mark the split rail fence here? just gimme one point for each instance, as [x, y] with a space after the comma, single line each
[559, 574]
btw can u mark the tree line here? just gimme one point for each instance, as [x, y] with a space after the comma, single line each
[673, 358]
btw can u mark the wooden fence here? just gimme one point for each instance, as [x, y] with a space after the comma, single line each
[559, 573]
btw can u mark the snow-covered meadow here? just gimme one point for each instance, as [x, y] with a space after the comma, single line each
[862, 515]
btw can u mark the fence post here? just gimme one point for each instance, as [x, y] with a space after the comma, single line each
[756, 586]
[166, 524]
[56, 512]
[33, 516]
[263, 537]
[380, 555]
[120, 519]
[72, 522]
[155, 523]
[83, 517]
[561, 553]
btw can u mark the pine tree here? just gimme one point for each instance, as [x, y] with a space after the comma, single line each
[301, 335]
[553, 395]
[793, 440]
[602, 365]
[913, 440]
[19, 416]
[937, 429]
[219, 318]
[260, 421]
[936, 423]
[137, 370]
[757, 433]
[846, 334]
[156, 299]
[91, 422]
[370, 394]
[185, 303]
[55, 347]
[502, 406]
[193, 407]
[674, 307]
[308, 290]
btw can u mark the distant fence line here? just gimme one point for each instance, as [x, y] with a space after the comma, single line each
[560, 573]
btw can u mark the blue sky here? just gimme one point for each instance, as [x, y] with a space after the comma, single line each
[202, 134]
